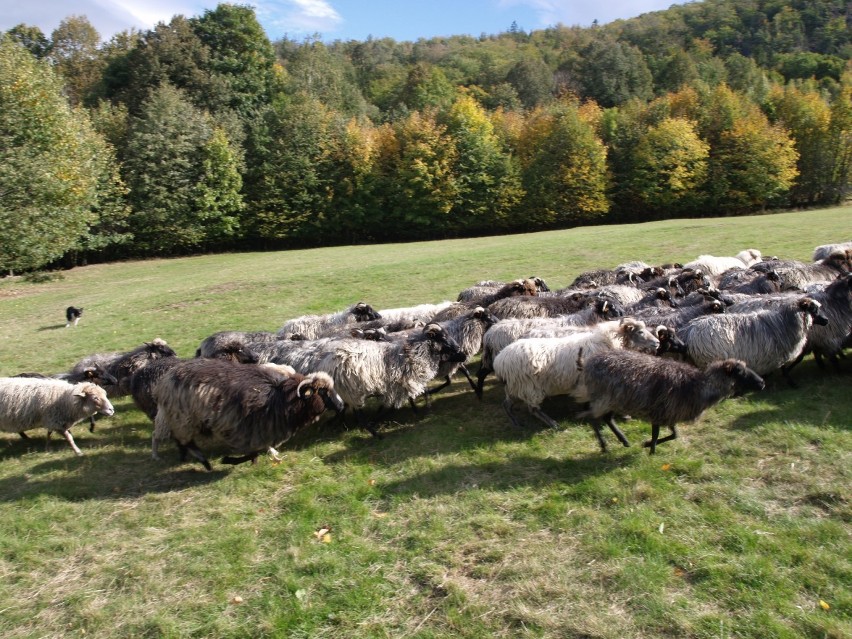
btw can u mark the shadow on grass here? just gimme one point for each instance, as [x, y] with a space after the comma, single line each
[516, 471]
[104, 475]
[49, 328]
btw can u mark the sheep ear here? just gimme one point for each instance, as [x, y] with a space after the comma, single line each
[79, 392]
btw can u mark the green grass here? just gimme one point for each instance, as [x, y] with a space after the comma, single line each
[453, 525]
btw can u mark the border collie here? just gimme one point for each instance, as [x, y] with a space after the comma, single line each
[72, 315]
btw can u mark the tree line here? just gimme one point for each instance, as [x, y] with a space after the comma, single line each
[202, 135]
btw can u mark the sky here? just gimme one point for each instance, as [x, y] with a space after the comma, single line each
[336, 19]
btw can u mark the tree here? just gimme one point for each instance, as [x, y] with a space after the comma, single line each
[613, 72]
[425, 87]
[183, 177]
[74, 51]
[32, 38]
[486, 178]
[53, 169]
[288, 179]
[564, 169]
[669, 166]
[532, 80]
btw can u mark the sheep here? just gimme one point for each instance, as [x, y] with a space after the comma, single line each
[123, 365]
[797, 275]
[57, 405]
[422, 312]
[479, 291]
[396, 371]
[246, 407]
[751, 282]
[835, 301]
[96, 374]
[713, 265]
[468, 331]
[228, 340]
[678, 317]
[662, 391]
[507, 331]
[822, 252]
[311, 326]
[143, 380]
[517, 288]
[659, 298]
[539, 306]
[536, 368]
[765, 340]
[681, 282]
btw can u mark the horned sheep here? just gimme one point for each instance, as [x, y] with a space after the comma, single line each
[312, 326]
[662, 391]
[246, 407]
[766, 340]
[122, 365]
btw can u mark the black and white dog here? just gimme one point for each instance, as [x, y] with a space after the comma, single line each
[72, 314]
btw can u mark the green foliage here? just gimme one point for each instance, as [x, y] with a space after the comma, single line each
[74, 53]
[564, 169]
[53, 164]
[613, 72]
[32, 38]
[669, 166]
[183, 177]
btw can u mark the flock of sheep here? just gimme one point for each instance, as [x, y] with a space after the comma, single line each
[663, 343]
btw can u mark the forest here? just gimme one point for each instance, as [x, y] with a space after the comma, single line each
[202, 135]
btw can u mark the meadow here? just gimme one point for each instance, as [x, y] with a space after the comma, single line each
[454, 524]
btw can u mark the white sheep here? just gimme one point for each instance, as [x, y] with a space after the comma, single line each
[714, 265]
[27, 403]
[312, 326]
[536, 368]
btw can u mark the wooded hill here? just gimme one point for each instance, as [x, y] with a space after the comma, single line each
[202, 135]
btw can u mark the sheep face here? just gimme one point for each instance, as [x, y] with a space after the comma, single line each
[637, 337]
[813, 308]
[540, 285]
[159, 348]
[669, 341]
[486, 317]
[607, 310]
[448, 349]
[364, 312]
[98, 375]
[93, 398]
[322, 386]
[237, 352]
[744, 379]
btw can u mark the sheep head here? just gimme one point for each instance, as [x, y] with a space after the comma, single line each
[94, 398]
[744, 379]
[447, 347]
[814, 309]
[637, 337]
[364, 312]
[321, 385]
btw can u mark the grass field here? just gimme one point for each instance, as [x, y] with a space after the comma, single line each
[453, 525]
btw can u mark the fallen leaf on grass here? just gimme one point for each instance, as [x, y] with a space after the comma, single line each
[824, 605]
[323, 534]
[236, 599]
[666, 467]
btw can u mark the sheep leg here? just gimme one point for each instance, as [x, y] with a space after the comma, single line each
[446, 383]
[23, 435]
[252, 457]
[656, 439]
[274, 454]
[466, 373]
[785, 372]
[597, 428]
[92, 424]
[70, 440]
[616, 431]
[195, 451]
[364, 423]
[547, 419]
[507, 406]
[480, 380]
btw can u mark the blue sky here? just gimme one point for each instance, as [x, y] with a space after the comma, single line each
[337, 19]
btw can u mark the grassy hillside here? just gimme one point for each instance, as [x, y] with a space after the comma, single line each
[453, 525]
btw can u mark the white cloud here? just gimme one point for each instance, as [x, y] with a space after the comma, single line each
[297, 16]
